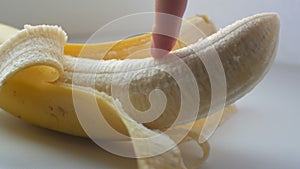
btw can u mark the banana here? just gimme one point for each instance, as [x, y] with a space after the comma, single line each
[48, 103]
[56, 111]
[39, 76]
[6, 32]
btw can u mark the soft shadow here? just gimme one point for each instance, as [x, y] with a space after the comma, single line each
[71, 147]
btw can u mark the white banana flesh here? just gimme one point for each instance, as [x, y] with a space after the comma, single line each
[246, 49]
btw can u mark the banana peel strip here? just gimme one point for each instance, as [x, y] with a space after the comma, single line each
[192, 29]
[44, 46]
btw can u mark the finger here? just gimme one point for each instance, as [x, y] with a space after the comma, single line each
[167, 22]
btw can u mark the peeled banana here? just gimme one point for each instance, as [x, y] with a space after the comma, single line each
[40, 74]
[57, 100]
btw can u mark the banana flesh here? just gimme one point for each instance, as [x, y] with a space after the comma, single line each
[36, 75]
[251, 41]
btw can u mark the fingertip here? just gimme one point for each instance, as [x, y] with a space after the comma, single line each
[166, 26]
[161, 45]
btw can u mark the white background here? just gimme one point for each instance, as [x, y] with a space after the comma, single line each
[264, 134]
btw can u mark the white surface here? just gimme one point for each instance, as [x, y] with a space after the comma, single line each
[264, 134]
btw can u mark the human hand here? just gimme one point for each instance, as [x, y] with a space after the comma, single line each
[166, 27]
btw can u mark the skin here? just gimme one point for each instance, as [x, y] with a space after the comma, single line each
[159, 41]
